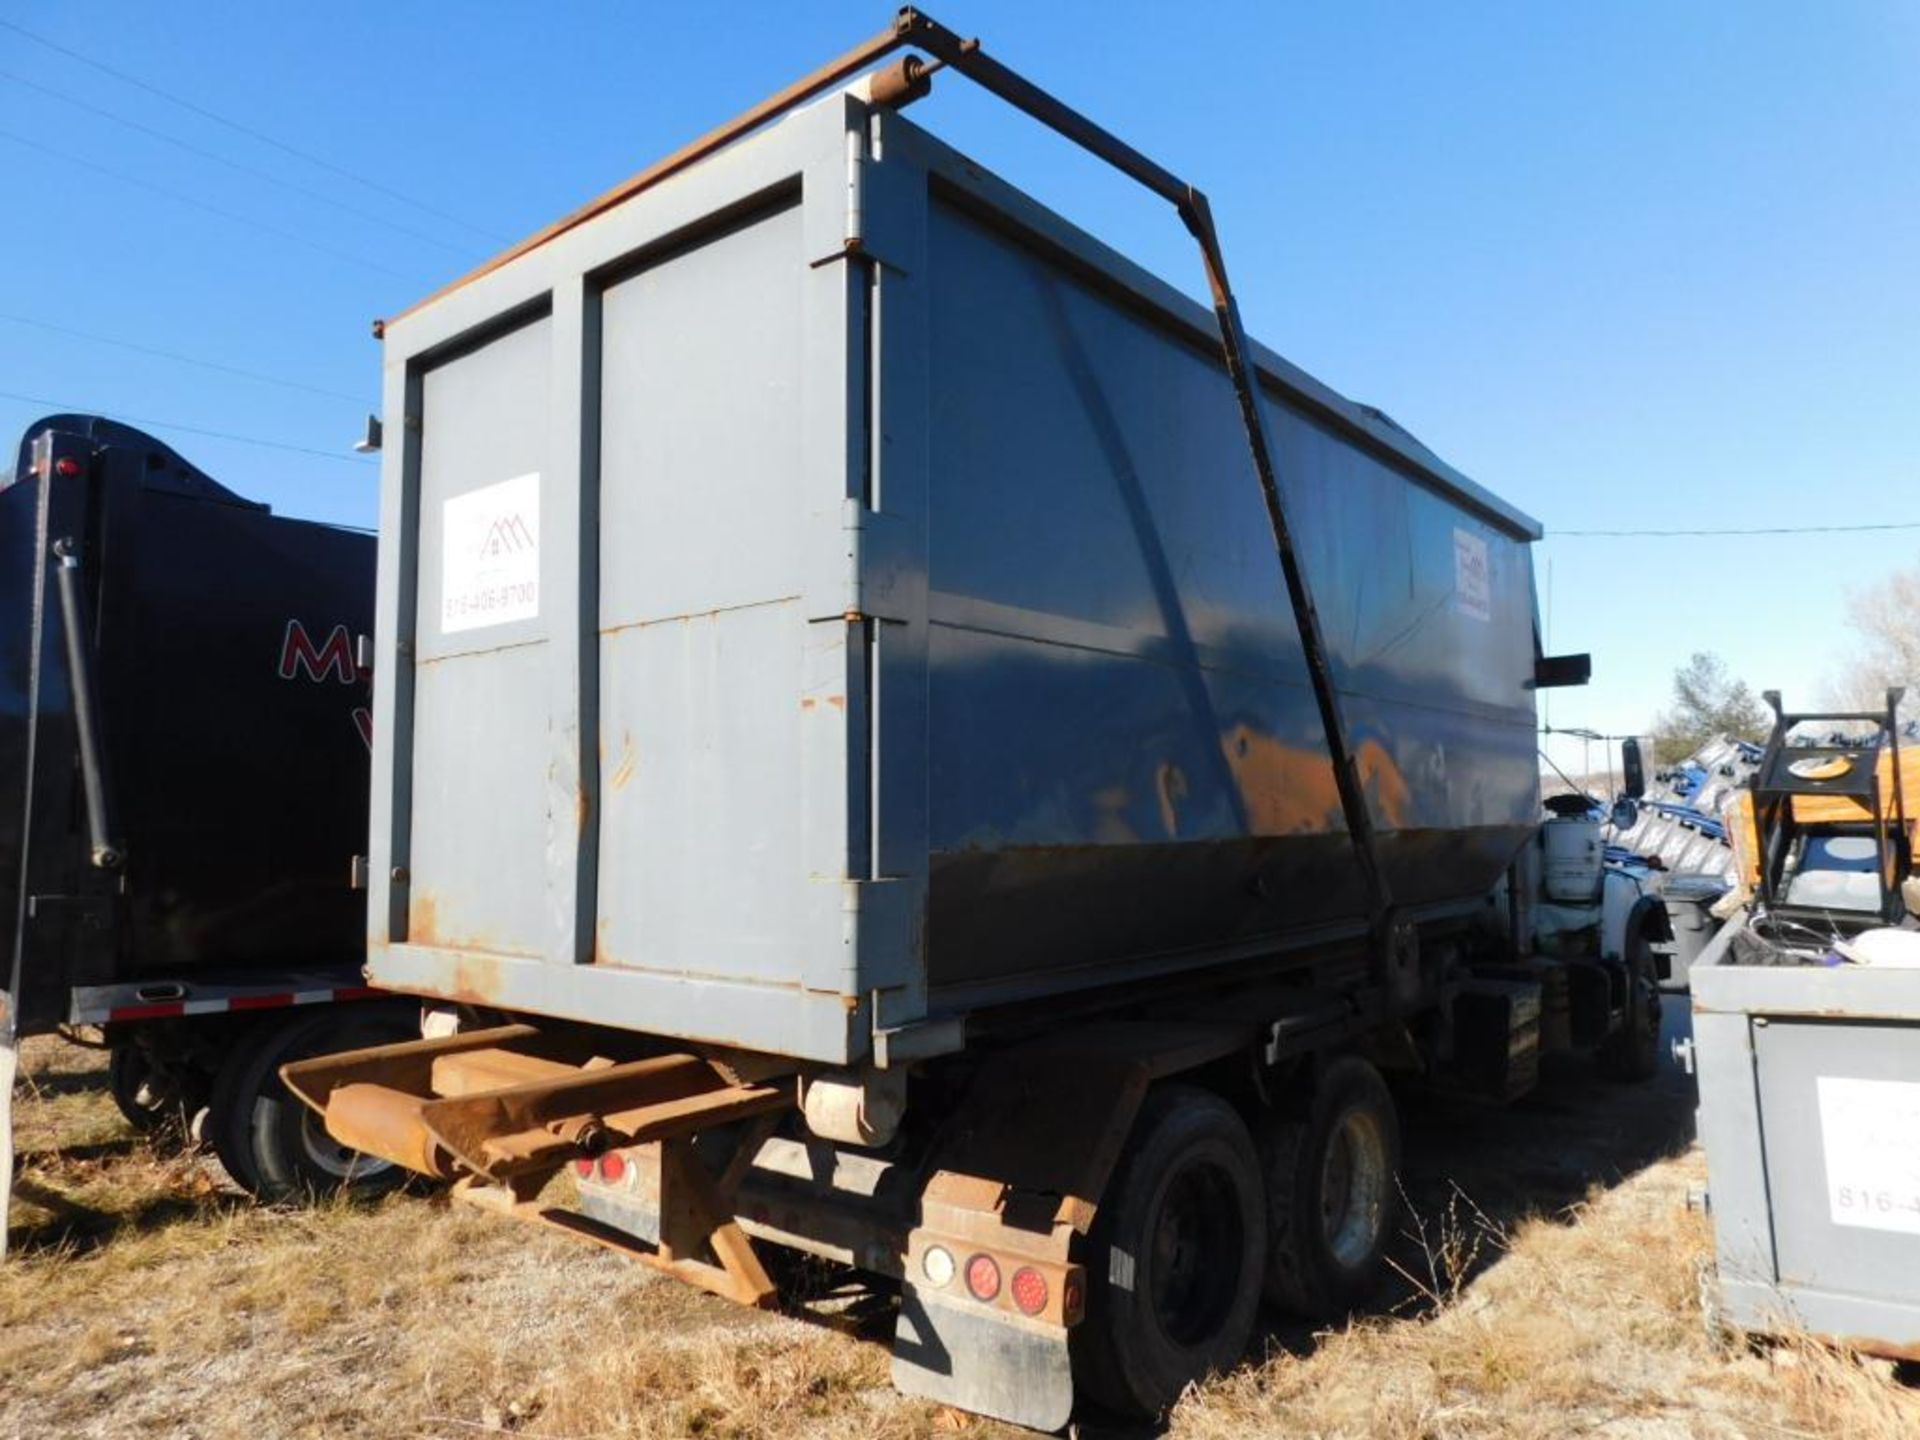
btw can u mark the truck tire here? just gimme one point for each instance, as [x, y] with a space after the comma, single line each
[1175, 1256]
[229, 1118]
[271, 1143]
[1332, 1179]
[1632, 1053]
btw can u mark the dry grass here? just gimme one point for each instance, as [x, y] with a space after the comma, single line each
[150, 1299]
[1586, 1324]
[176, 1309]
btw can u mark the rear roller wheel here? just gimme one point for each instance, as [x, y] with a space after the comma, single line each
[1175, 1256]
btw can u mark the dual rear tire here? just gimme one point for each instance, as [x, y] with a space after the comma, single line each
[1201, 1219]
[271, 1143]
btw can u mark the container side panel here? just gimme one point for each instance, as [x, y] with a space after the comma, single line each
[703, 520]
[1120, 721]
[481, 698]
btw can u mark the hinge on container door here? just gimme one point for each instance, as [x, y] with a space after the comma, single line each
[854, 526]
[853, 238]
[856, 187]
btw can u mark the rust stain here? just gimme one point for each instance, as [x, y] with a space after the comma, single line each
[629, 761]
[1290, 788]
[475, 980]
[423, 920]
[1873, 1345]
[807, 702]
[838, 702]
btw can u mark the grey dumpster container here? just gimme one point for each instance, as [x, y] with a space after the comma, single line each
[1810, 1116]
[787, 639]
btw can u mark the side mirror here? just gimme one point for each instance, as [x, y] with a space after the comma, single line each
[1632, 770]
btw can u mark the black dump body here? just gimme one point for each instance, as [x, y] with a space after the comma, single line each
[232, 724]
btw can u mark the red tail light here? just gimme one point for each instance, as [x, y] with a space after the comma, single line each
[983, 1277]
[1029, 1290]
[613, 1167]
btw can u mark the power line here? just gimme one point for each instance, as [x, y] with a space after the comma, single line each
[55, 405]
[244, 169]
[198, 204]
[1753, 530]
[183, 359]
[247, 130]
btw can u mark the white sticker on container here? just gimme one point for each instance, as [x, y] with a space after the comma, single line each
[1472, 584]
[1870, 1133]
[490, 555]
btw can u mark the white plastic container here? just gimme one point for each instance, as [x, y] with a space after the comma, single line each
[1570, 858]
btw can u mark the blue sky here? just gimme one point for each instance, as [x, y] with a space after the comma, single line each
[1629, 265]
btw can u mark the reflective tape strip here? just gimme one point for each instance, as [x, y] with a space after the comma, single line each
[175, 1009]
[263, 1002]
[146, 1012]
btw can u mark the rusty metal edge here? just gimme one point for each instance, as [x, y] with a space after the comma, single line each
[858, 58]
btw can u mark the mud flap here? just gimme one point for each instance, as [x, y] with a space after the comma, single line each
[984, 1360]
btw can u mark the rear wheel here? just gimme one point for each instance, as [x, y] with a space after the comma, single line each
[270, 1142]
[1332, 1192]
[227, 1125]
[1175, 1257]
[1633, 1051]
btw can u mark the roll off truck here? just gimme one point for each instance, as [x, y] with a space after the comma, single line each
[901, 737]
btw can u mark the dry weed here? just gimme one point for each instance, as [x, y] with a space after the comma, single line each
[1585, 1323]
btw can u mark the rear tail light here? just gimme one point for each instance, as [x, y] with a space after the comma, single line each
[583, 1167]
[66, 467]
[1029, 1290]
[613, 1167]
[983, 1277]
